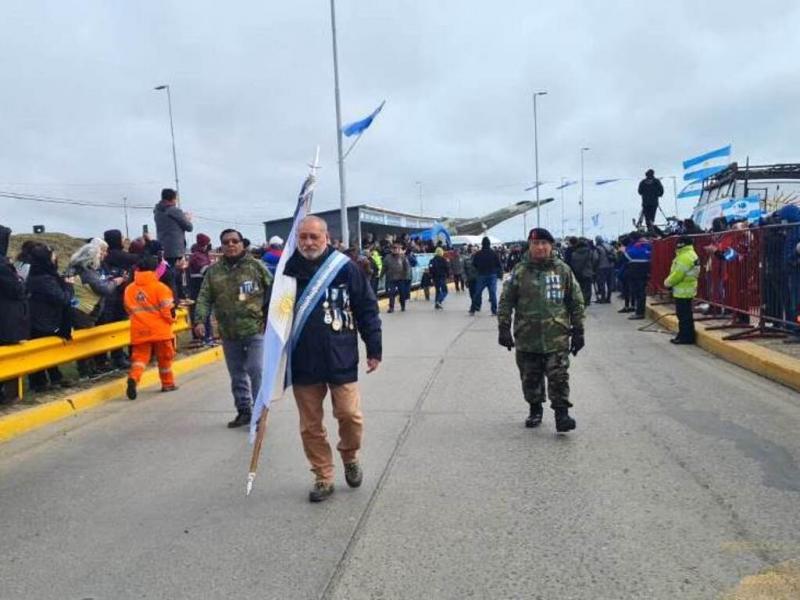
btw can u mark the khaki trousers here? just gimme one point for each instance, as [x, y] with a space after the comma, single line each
[346, 410]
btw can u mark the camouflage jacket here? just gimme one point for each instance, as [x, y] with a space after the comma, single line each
[238, 294]
[546, 301]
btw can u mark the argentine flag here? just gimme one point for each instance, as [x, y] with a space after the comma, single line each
[359, 127]
[281, 314]
[701, 167]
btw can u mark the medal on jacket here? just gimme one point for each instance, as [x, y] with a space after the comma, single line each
[242, 295]
[328, 318]
[337, 321]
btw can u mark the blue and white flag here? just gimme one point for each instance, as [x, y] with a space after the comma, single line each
[566, 184]
[277, 342]
[605, 181]
[359, 127]
[533, 187]
[736, 209]
[701, 167]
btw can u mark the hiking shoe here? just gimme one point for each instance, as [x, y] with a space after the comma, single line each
[535, 417]
[242, 418]
[679, 341]
[321, 491]
[391, 310]
[636, 318]
[169, 388]
[130, 391]
[353, 474]
[564, 422]
[626, 309]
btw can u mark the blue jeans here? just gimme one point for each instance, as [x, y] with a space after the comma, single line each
[482, 282]
[243, 359]
[440, 285]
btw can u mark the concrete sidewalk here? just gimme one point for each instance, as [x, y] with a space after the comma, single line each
[778, 366]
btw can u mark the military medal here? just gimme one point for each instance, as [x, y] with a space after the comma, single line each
[328, 318]
[337, 322]
[242, 296]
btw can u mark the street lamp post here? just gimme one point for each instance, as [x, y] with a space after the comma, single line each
[536, 154]
[172, 133]
[342, 187]
[582, 184]
[419, 183]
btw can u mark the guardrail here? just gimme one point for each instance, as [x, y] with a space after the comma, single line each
[751, 276]
[30, 356]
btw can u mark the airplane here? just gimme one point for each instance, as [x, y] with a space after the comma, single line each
[479, 225]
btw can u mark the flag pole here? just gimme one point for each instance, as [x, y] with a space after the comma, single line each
[342, 187]
[262, 428]
[275, 387]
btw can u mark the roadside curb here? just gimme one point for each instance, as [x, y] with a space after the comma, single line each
[24, 421]
[762, 361]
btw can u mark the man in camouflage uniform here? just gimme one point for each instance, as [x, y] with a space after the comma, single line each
[547, 303]
[237, 289]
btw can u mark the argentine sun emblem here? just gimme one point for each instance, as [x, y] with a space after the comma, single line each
[286, 306]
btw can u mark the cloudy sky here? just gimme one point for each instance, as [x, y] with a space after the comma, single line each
[641, 84]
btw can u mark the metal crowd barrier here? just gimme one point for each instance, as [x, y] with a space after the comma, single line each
[30, 356]
[750, 276]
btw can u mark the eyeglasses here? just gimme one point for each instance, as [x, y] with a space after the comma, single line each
[231, 242]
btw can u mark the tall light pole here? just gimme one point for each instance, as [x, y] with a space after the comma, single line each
[562, 208]
[172, 133]
[419, 183]
[342, 187]
[536, 153]
[582, 183]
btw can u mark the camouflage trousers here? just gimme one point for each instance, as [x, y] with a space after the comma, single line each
[534, 368]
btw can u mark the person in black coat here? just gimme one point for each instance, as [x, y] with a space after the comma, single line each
[488, 268]
[51, 312]
[650, 189]
[440, 271]
[325, 356]
[14, 310]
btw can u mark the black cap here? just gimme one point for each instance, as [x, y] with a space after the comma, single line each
[540, 233]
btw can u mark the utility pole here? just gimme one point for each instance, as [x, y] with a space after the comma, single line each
[172, 133]
[342, 187]
[582, 189]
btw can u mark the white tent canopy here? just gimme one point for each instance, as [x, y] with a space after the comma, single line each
[475, 240]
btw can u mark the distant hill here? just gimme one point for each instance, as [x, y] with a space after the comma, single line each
[64, 245]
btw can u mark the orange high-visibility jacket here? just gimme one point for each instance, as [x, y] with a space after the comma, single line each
[149, 304]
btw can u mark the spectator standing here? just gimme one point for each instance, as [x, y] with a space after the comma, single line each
[398, 270]
[582, 263]
[605, 270]
[171, 225]
[682, 280]
[23, 261]
[650, 189]
[440, 270]
[237, 289]
[377, 268]
[470, 273]
[117, 263]
[637, 270]
[51, 310]
[457, 269]
[273, 254]
[623, 277]
[14, 309]
[90, 288]
[488, 268]
[199, 261]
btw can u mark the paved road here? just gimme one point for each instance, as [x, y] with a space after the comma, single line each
[681, 479]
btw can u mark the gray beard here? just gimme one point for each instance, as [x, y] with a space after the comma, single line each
[311, 255]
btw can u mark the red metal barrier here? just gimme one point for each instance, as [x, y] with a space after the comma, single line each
[750, 276]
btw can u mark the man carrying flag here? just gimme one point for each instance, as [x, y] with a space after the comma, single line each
[334, 303]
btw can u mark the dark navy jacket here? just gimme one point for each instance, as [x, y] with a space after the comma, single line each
[323, 355]
[638, 256]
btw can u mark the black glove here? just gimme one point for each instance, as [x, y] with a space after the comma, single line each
[505, 339]
[576, 342]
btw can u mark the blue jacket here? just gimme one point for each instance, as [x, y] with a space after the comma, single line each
[638, 259]
[323, 355]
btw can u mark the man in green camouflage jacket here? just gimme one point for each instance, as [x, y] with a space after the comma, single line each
[237, 289]
[547, 304]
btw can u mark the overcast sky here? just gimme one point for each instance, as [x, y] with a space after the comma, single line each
[642, 84]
